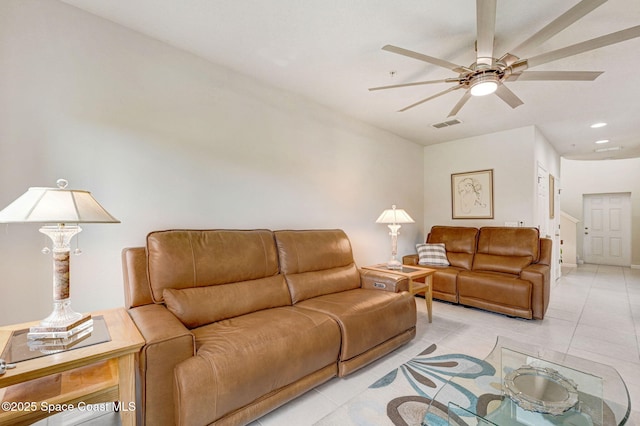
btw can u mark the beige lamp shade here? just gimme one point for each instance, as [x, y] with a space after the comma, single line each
[394, 215]
[56, 205]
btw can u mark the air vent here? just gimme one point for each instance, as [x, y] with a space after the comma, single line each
[613, 148]
[447, 123]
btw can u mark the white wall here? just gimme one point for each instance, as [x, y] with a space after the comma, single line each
[164, 139]
[568, 232]
[601, 177]
[512, 154]
[548, 159]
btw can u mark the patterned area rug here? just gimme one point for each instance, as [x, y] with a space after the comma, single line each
[402, 397]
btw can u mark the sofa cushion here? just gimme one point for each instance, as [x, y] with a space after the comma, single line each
[306, 285]
[432, 254]
[312, 250]
[445, 283]
[242, 359]
[367, 318]
[508, 241]
[502, 293]
[505, 264]
[459, 241]
[505, 249]
[203, 305]
[316, 262]
[182, 259]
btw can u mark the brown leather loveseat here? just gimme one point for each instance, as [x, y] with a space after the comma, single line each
[239, 322]
[500, 269]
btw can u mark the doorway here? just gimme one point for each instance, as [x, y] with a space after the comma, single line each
[607, 228]
[546, 216]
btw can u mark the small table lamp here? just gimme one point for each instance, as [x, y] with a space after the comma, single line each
[394, 217]
[58, 207]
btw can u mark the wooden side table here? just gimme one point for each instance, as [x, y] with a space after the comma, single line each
[413, 273]
[100, 373]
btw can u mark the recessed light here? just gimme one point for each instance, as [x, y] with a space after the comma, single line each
[597, 125]
[602, 141]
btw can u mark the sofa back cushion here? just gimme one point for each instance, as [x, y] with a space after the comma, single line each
[206, 270]
[316, 262]
[459, 241]
[506, 249]
[199, 306]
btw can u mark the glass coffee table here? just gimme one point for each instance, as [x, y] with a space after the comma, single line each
[533, 386]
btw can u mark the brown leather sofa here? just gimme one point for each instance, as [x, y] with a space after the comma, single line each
[239, 322]
[500, 269]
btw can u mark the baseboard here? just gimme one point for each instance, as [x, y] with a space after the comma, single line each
[569, 265]
[635, 266]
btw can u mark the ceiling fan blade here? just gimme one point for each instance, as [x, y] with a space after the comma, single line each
[585, 46]
[508, 59]
[463, 100]
[555, 76]
[508, 96]
[418, 83]
[486, 24]
[444, 92]
[560, 23]
[421, 57]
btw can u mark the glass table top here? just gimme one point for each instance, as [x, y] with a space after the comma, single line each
[534, 386]
[19, 348]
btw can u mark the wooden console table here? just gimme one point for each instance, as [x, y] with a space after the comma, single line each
[413, 273]
[100, 373]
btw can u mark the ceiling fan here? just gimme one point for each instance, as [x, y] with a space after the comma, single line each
[488, 74]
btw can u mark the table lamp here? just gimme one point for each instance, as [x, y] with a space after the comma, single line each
[394, 217]
[57, 208]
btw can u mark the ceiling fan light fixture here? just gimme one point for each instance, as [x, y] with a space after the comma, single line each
[484, 84]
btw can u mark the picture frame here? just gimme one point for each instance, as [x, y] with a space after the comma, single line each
[472, 195]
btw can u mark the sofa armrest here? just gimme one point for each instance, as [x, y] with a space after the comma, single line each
[540, 276]
[168, 343]
[410, 259]
[383, 281]
[546, 252]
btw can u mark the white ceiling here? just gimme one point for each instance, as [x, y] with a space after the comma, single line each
[330, 51]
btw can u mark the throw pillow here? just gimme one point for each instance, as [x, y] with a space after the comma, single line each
[432, 254]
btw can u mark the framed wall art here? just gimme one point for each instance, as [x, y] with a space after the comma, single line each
[472, 195]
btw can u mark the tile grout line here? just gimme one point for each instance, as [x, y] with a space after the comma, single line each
[582, 309]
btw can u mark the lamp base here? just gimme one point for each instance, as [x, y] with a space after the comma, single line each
[62, 315]
[63, 322]
[394, 264]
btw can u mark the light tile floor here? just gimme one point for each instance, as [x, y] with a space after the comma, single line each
[594, 313]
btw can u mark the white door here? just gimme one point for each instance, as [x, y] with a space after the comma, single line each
[607, 229]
